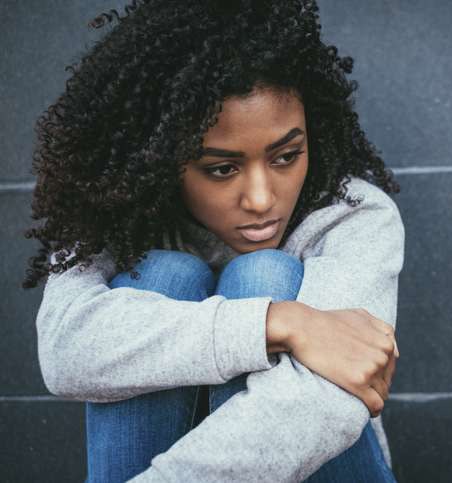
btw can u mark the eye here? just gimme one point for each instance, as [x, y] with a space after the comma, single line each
[221, 169]
[290, 157]
[224, 171]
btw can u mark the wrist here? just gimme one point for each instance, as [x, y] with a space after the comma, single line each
[278, 331]
[301, 318]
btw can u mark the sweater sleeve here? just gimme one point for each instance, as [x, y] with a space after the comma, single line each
[290, 421]
[100, 344]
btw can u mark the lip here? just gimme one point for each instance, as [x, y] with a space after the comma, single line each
[268, 231]
[257, 226]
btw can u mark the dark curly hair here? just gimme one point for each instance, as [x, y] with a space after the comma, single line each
[111, 149]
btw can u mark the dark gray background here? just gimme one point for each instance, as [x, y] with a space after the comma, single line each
[402, 50]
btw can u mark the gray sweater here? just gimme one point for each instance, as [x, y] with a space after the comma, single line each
[101, 344]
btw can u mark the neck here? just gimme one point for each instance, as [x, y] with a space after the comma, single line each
[200, 241]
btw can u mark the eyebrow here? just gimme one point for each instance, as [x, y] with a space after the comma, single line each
[223, 153]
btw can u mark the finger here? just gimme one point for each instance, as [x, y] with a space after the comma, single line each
[378, 324]
[381, 326]
[376, 404]
[379, 384]
[372, 399]
[396, 349]
[387, 330]
[387, 342]
[388, 372]
[376, 337]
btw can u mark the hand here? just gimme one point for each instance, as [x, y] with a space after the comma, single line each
[350, 348]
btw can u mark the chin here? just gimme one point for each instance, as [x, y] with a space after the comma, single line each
[248, 247]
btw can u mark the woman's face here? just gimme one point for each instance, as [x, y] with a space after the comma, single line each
[254, 165]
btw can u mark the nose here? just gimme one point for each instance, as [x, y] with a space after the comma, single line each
[257, 193]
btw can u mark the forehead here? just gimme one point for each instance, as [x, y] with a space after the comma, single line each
[265, 112]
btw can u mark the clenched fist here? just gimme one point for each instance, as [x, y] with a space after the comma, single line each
[350, 347]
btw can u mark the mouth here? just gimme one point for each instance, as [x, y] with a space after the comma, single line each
[261, 234]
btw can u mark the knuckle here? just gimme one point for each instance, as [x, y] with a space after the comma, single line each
[387, 328]
[359, 379]
[383, 359]
[388, 346]
[372, 370]
[363, 377]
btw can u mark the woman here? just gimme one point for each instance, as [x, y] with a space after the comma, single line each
[186, 123]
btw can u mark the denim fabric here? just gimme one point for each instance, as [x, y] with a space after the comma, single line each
[124, 436]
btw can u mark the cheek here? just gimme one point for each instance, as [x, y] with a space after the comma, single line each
[192, 188]
[295, 182]
[200, 199]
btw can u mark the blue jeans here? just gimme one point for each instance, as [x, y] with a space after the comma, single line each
[123, 437]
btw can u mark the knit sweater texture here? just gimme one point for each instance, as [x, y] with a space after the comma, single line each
[100, 344]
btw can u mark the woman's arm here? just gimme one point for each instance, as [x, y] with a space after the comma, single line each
[97, 328]
[101, 344]
[290, 421]
[350, 348]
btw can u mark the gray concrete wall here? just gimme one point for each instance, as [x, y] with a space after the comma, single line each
[402, 53]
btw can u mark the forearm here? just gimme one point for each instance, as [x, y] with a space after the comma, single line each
[102, 345]
[350, 347]
[284, 427]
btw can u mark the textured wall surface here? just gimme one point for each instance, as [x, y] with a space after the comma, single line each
[402, 62]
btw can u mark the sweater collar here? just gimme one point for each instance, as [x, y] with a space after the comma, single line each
[195, 238]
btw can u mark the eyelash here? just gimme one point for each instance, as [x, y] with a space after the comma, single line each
[294, 154]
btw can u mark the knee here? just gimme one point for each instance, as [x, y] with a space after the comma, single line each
[268, 260]
[165, 264]
[183, 264]
[267, 272]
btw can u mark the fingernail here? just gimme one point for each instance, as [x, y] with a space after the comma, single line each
[396, 352]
